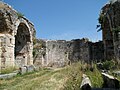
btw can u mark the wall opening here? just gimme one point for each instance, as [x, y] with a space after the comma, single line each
[22, 44]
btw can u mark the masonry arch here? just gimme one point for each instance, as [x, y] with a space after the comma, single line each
[16, 38]
[23, 41]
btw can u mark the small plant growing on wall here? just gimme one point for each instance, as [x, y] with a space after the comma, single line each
[108, 64]
[101, 20]
[20, 15]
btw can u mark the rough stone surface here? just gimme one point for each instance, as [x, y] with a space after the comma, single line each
[39, 52]
[16, 36]
[7, 76]
[30, 68]
[23, 70]
[110, 25]
[27, 69]
[86, 83]
[110, 81]
[58, 53]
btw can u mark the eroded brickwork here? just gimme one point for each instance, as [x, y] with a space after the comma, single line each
[16, 36]
[58, 53]
[110, 25]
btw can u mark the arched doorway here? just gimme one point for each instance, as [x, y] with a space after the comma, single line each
[22, 45]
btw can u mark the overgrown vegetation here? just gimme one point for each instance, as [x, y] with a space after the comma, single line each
[108, 65]
[101, 20]
[67, 78]
[39, 44]
[74, 77]
[116, 29]
[95, 77]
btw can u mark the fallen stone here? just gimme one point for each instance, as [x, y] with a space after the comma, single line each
[7, 76]
[22, 70]
[11, 75]
[30, 68]
[86, 84]
[110, 81]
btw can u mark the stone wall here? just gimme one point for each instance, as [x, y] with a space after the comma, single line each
[39, 52]
[7, 49]
[97, 51]
[16, 36]
[58, 53]
[79, 50]
[110, 25]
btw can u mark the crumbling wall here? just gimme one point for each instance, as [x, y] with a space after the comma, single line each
[110, 25]
[12, 26]
[39, 52]
[58, 53]
[80, 50]
[97, 51]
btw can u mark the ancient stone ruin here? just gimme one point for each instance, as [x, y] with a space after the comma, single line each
[59, 53]
[16, 38]
[110, 25]
[17, 34]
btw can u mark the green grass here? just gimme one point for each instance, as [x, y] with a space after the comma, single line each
[95, 78]
[67, 78]
[42, 80]
[74, 77]
[8, 70]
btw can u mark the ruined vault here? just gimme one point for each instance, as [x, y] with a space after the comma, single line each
[16, 38]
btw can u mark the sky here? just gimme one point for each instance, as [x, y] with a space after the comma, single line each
[62, 19]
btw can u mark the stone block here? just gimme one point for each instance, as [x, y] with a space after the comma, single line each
[30, 68]
[22, 70]
[11, 75]
[7, 76]
[86, 83]
[110, 81]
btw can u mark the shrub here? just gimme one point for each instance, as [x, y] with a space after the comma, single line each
[20, 15]
[108, 65]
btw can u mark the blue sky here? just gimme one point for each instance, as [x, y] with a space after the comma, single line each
[62, 19]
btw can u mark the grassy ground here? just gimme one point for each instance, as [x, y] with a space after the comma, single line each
[43, 80]
[8, 70]
[67, 78]
[95, 78]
